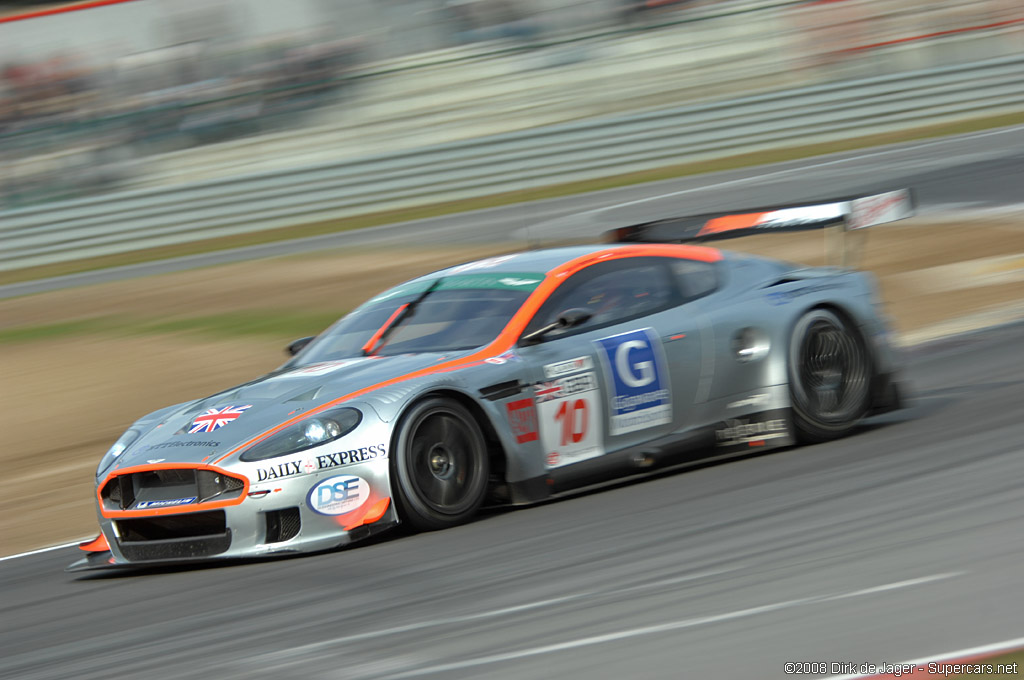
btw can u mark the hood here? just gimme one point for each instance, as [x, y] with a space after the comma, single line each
[201, 431]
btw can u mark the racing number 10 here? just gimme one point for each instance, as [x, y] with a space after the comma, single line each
[572, 415]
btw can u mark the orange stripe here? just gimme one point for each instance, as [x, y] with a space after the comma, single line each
[61, 10]
[731, 223]
[372, 342]
[174, 509]
[508, 337]
[372, 511]
[377, 511]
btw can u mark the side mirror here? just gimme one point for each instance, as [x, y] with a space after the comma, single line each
[573, 317]
[567, 319]
[296, 345]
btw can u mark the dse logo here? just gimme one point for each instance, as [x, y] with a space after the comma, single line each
[338, 495]
[640, 382]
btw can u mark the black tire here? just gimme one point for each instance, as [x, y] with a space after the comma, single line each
[829, 376]
[439, 465]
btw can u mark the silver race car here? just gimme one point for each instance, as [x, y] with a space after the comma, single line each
[510, 380]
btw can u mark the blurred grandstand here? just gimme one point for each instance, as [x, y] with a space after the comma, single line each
[234, 86]
[72, 126]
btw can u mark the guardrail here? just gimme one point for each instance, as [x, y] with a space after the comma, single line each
[507, 162]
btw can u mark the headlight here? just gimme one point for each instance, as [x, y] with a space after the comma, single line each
[119, 447]
[311, 432]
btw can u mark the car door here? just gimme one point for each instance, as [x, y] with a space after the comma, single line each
[621, 379]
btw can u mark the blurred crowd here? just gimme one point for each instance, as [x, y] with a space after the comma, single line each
[69, 127]
[75, 124]
[833, 32]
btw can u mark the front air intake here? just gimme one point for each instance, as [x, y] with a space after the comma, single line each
[173, 537]
[283, 525]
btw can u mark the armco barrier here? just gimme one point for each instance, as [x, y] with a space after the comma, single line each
[507, 162]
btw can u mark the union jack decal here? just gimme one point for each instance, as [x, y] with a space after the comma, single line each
[546, 391]
[215, 418]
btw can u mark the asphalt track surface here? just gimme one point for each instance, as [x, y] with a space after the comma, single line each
[899, 542]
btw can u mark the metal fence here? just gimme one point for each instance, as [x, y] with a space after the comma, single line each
[507, 162]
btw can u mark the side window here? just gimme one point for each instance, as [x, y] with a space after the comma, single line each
[613, 292]
[695, 278]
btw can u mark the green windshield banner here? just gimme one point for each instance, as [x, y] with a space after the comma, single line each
[524, 281]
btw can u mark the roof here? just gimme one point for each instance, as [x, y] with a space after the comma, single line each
[548, 259]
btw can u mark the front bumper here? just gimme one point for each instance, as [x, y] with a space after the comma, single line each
[306, 512]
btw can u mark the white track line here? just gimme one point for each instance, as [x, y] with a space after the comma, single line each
[663, 628]
[995, 647]
[43, 550]
[305, 650]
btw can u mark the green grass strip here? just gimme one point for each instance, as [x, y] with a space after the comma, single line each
[54, 330]
[277, 324]
[280, 324]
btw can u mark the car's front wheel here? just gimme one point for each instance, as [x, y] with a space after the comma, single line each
[439, 464]
[829, 376]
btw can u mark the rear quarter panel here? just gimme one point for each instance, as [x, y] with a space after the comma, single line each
[752, 298]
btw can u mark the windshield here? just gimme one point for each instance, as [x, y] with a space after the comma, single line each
[459, 313]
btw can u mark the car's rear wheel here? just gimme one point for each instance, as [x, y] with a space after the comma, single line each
[439, 464]
[829, 376]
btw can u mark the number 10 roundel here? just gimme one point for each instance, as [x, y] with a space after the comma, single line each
[570, 410]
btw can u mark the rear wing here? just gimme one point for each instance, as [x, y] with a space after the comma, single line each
[847, 214]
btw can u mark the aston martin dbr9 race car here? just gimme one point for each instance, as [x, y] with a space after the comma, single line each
[506, 380]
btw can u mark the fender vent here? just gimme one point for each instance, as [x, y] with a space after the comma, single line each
[501, 390]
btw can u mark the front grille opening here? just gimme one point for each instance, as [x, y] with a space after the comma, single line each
[164, 527]
[121, 492]
[283, 525]
[213, 485]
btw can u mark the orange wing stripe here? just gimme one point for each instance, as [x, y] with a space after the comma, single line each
[731, 223]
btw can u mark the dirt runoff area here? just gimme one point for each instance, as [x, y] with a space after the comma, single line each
[68, 393]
